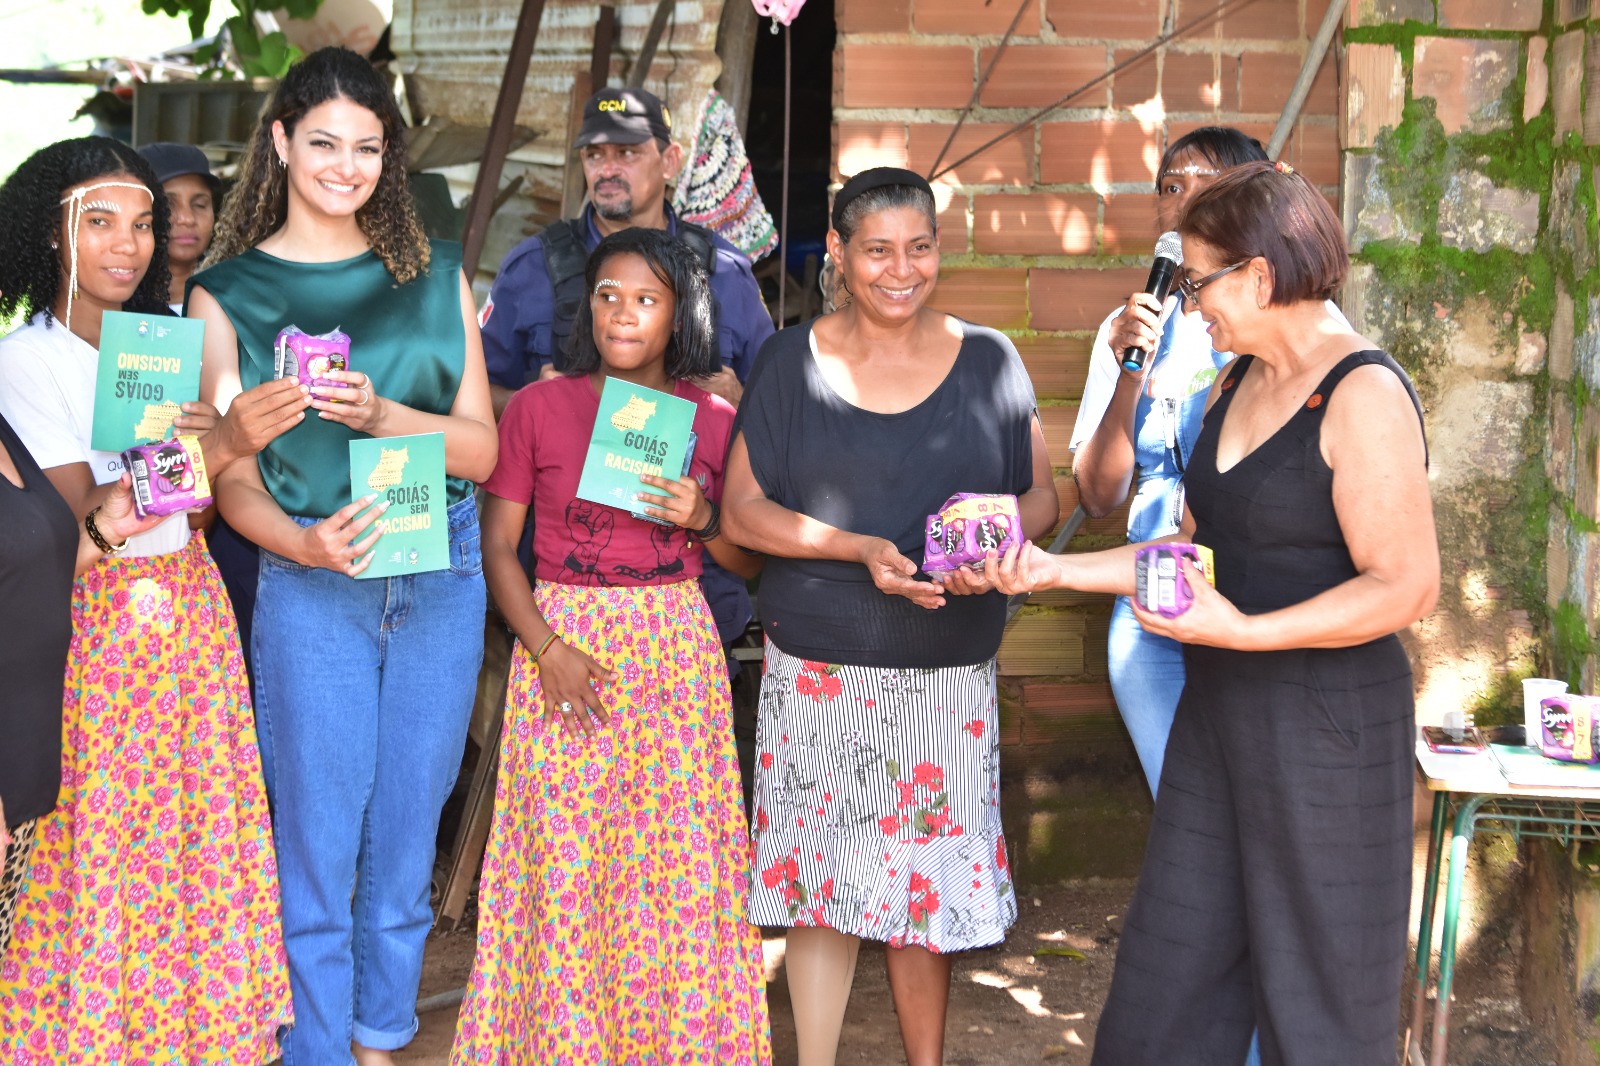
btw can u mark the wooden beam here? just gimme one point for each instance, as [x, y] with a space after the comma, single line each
[573, 187]
[487, 183]
[652, 39]
[605, 36]
[736, 47]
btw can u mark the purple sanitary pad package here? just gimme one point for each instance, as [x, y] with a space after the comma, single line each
[168, 476]
[309, 357]
[967, 527]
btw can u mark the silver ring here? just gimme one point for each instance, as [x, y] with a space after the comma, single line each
[365, 396]
[566, 708]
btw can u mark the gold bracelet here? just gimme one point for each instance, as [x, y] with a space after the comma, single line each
[98, 537]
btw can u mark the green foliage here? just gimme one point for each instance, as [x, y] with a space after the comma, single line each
[260, 56]
[1573, 643]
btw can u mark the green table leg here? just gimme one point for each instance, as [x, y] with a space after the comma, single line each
[1460, 839]
[1430, 892]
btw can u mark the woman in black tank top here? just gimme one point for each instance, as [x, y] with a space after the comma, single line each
[1276, 885]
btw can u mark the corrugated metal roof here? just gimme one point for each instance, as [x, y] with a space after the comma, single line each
[455, 52]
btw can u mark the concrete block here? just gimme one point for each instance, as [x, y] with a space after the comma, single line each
[1562, 337]
[1490, 14]
[1368, 204]
[1566, 82]
[1476, 431]
[1353, 301]
[1477, 215]
[1536, 90]
[1468, 78]
[1382, 12]
[1478, 341]
[1530, 353]
[1376, 93]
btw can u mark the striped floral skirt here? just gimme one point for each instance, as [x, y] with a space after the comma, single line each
[878, 804]
[610, 929]
[147, 931]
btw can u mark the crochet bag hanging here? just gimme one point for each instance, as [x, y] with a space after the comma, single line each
[717, 189]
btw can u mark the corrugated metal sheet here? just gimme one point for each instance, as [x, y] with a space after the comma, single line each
[455, 51]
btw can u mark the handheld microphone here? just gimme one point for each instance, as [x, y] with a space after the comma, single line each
[1169, 257]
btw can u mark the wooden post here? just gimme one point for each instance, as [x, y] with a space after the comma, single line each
[652, 39]
[573, 187]
[605, 35]
[499, 143]
[736, 47]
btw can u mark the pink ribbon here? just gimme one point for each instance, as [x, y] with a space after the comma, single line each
[782, 11]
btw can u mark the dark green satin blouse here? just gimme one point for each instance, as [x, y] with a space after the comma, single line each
[409, 339]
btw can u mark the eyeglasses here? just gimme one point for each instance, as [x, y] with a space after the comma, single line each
[1190, 289]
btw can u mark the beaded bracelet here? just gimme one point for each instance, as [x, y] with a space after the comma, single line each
[551, 639]
[713, 527]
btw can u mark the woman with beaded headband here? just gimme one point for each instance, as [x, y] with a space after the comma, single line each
[360, 747]
[147, 927]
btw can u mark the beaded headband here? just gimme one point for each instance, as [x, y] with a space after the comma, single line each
[75, 206]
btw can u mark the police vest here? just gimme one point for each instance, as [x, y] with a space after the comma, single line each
[564, 260]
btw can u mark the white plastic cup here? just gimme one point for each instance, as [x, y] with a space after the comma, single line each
[1535, 689]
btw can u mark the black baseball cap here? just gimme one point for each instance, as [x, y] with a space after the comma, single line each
[171, 160]
[624, 116]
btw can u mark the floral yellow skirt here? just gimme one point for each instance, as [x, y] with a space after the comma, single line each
[610, 921]
[147, 931]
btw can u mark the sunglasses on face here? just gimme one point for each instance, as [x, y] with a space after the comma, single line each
[1190, 288]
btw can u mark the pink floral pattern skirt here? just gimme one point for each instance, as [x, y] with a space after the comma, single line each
[147, 932]
[878, 804]
[610, 925]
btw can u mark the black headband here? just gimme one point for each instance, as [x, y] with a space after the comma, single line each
[876, 178]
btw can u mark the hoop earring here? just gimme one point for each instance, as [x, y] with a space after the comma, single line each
[283, 164]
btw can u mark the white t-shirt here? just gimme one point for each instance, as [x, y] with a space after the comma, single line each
[47, 376]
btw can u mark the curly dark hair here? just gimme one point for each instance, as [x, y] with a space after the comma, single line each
[692, 351]
[31, 277]
[259, 204]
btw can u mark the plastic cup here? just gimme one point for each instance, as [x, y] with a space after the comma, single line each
[1535, 689]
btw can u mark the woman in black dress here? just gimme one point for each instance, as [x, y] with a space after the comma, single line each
[1276, 886]
[42, 548]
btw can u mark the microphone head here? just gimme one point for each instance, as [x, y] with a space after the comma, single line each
[1170, 246]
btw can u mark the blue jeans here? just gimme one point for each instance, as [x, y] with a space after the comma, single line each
[363, 693]
[1147, 678]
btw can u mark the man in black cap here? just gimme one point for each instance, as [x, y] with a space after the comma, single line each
[627, 154]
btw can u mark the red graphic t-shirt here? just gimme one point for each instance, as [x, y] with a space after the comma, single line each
[544, 436]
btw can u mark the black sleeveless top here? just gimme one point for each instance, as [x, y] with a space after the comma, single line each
[1269, 519]
[38, 550]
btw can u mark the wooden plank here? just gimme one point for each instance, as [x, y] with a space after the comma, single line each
[1043, 643]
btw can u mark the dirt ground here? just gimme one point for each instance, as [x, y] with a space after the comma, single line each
[1012, 1004]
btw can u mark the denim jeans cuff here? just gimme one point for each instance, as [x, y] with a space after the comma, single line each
[385, 1041]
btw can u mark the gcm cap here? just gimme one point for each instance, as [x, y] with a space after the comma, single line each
[624, 116]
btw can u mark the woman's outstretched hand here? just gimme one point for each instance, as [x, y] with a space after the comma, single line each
[895, 575]
[1211, 618]
[1024, 568]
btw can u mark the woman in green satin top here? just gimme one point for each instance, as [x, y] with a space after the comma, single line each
[363, 687]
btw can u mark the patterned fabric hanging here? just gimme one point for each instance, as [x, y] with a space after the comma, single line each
[717, 189]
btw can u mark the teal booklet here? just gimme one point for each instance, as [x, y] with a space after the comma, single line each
[409, 473]
[637, 431]
[149, 364]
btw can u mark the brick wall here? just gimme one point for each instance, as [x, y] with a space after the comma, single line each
[1046, 232]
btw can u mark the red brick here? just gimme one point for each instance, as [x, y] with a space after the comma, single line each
[1008, 163]
[1277, 20]
[1487, 14]
[1097, 152]
[1189, 82]
[953, 238]
[1058, 365]
[872, 16]
[1467, 78]
[1034, 224]
[1261, 131]
[988, 17]
[1316, 153]
[996, 297]
[1130, 224]
[1078, 299]
[1057, 421]
[1033, 75]
[859, 146]
[904, 75]
[1267, 78]
[1137, 83]
[1375, 92]
[1118, 20]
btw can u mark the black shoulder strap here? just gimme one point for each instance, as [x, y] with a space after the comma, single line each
[564, 261]
[699, 238]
